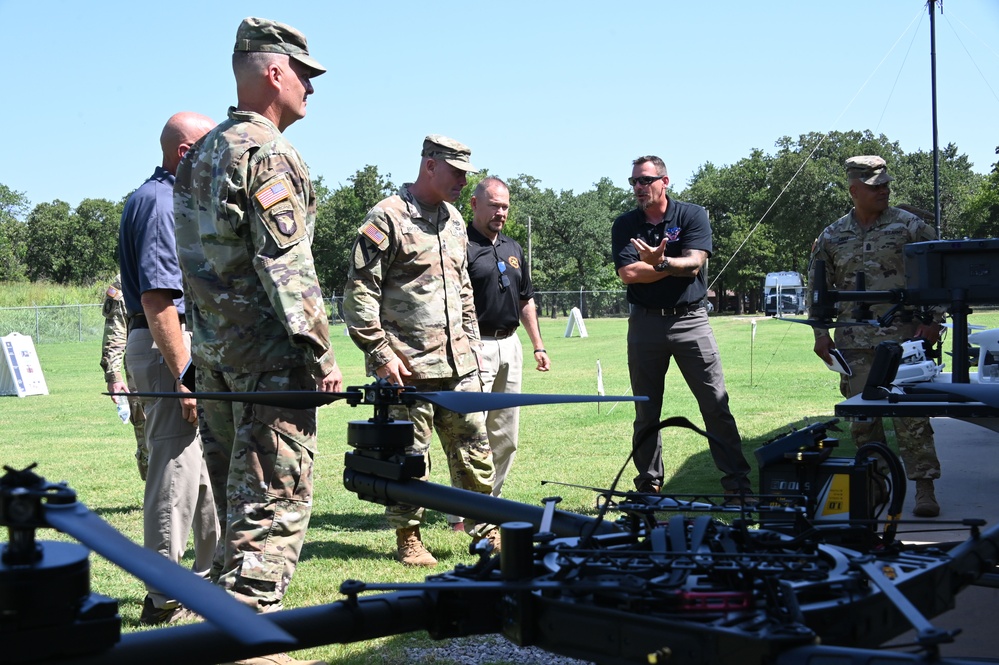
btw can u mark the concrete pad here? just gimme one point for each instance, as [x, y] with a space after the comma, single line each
[968, 487]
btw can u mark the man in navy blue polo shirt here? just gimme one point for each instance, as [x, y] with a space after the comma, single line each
[660, 249]
[178, 496]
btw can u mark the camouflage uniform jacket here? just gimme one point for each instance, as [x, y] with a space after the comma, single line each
[245, 212]
[115, 332]
[877, 252]
[408, 293]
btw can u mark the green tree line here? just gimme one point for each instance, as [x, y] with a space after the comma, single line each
[766, 210]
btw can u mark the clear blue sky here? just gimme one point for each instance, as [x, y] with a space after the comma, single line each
[567, 92]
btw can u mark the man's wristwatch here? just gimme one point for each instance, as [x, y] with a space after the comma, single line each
[662, 267]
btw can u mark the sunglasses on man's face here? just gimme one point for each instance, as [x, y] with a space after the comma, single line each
[644, 180]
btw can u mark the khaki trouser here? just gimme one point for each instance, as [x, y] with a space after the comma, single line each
[178, 495]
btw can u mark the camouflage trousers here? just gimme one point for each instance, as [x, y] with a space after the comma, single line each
[914, 435]
[260, 460]
[466, 447]
[138, 419]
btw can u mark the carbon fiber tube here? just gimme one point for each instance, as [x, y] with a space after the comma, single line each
[482, 507]
[337, 623]
[974, 559]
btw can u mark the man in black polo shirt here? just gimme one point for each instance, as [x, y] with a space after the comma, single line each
[659, 250]
[504, 298]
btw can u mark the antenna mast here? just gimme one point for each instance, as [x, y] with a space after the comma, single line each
[933, 94]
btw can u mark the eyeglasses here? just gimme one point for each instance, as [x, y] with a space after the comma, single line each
[504, 279]
[644, 180]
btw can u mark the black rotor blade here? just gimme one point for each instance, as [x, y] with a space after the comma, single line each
[462, 402]
[974, 391]
[201, 596]
[817, 323]
[285, 399]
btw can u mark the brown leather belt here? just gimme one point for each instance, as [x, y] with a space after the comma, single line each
[679, 310]
[500, 333]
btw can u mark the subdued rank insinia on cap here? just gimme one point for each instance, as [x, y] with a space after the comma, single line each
[456, 154]
[869, 169]
[266, 36]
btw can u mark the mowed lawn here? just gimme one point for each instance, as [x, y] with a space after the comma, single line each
[774, 380]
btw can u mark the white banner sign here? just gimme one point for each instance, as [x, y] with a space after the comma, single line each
[20, 373]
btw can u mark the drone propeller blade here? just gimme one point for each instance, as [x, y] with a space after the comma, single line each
[974, 391]
[285, 399]
[462, 402]
[208, 600]
[459, 402]
[818, 323]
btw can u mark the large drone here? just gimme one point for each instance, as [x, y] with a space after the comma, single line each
[671, 579]
[956, 273]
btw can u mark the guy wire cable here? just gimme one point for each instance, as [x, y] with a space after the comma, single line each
[977, 68]
[814, 149]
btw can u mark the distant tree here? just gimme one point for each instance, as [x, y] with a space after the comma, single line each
[72, 246]
[570, 234]
[13, 234]
[339, 214]
[49, 231]
[614, 199]
[913, 185]
[811, 174]
[736, 198]
[94, 243]
[982, 208]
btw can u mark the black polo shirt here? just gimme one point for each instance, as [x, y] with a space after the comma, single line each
[495, 307]
[689, 223]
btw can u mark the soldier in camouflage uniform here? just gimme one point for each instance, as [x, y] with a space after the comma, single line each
[245, 211]
[408, 305]
[870, 239]
[113, 362]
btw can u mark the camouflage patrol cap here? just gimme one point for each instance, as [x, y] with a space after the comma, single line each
[454, 153]
[266, 36]
[869, 169]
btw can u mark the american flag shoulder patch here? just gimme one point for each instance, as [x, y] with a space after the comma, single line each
[268, 196]
[372, 233]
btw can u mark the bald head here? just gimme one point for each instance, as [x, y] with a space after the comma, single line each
[181, 131]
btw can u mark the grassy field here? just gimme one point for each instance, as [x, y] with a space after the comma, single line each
[774, 380]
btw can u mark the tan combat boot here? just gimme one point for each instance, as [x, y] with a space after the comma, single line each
[410, 548]
[926, 501]
[493, 536]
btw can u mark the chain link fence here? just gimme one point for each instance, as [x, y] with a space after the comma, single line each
[51, 324]
[54, 323]
[592, 304]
